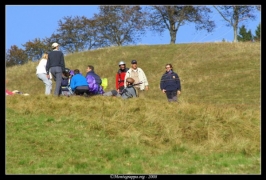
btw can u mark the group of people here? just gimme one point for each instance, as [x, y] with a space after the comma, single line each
[130, 82]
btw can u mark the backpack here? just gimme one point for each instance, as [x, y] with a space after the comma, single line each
[104, 83]
[94, 87]
[65, 87]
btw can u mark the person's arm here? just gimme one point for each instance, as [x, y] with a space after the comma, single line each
[126, 76]
[116, 81]
[62, 62]
[178, 82]
[72, 85]
[162, 84]
[47, 67]
[146, 84]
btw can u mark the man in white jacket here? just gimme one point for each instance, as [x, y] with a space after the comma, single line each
[140, 78]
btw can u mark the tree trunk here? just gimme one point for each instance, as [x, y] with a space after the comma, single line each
[235, 33]
[173, 36]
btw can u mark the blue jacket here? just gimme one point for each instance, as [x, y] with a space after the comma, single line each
[170, 81]
[96, 76]
[78, 80]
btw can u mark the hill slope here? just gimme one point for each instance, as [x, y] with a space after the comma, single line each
[214, 129]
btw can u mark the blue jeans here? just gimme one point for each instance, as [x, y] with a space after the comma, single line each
[47, 82]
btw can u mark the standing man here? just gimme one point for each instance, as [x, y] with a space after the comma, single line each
[170, 84]
[56, 65]
[120, 76]
[141, 82]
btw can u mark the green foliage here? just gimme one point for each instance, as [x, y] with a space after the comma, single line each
[35, 49]
[120, 25]
[76, 34]
[233, 15]
[257, 33]
[15, 56]
[244, 36]
[171, 18]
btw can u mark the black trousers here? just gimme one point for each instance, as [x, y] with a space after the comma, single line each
[80, 90]
[171, 95]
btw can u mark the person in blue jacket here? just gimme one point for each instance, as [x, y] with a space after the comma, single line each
[78, 83]
[170, 84]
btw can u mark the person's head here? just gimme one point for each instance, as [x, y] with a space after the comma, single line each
[134, 64]
[66, 72]
[130, 81]
[122, 65]
[55, 45]
[168, 67]
[45, 56]
[76, 71]
[90, 68]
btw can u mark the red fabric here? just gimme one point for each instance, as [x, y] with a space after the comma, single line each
[122, 77]
[9, 92]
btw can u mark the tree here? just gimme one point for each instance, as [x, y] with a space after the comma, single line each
[34, 49]
[257, 33]
[16, 56]
[173, 17]
[75, 34]
[233, 15]
[119, 25]
[244, 35]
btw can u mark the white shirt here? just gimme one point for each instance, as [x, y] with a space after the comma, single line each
[41, 68]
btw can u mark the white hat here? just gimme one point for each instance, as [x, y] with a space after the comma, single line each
[55, 45]
[121, 62]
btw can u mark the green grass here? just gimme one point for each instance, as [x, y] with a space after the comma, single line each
[214, 129]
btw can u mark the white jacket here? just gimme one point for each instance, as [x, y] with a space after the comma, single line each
[142, 78]
[41, 68]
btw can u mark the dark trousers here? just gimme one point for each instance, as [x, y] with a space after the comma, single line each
[80, 90]
[171, 96]
[57, 75]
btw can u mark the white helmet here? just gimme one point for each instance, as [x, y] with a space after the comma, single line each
[121, 62]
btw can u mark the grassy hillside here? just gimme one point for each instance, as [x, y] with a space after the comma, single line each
[214, 129]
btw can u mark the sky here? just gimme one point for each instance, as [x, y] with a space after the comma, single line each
[26, 22]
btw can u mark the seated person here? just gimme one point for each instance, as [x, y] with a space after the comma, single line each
[128, 92]
[65, 90]
[78, 83]
[8, 93]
